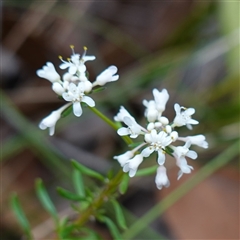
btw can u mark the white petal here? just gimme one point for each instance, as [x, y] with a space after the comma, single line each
[177, 108]
[126, 167]
[192, 154]
[64, 65]
[51, 130]
[115, 78]
[180, 173]
[123, 131]
[57, 88]
[192, 121]
[42, 126]
[67, 76]
[77, 109]
[146, 152]
[72, 87]
[134, 135]
[72, 69]
[161, 157]
[88, 86]
[67, 97]
[89, 101]
[190, 111]
[88, 58]
[132, 172]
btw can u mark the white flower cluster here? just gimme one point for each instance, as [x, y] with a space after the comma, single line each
[159, 136]
[74, 85]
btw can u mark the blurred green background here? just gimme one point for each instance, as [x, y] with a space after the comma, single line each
[191, 48]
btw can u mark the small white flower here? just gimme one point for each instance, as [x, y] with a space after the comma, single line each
[151, 112]
[184, 167]
[133, 129]
[132, 165]
[161, 99]
[76, 95]
[51, 120]
[121, 114]
[48, 72]
[180, 153]
[199, 140]
[123, 158]
[183, 151]
[106, 76]
[76, 63]
[183, 116]
[157, 142]
[161, 178]
[155, 108]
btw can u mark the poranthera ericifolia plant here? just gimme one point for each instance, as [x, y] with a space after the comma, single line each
[159, 136]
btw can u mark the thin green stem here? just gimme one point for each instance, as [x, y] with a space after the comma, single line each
[126, 139]
[104, 118]
[174, 196]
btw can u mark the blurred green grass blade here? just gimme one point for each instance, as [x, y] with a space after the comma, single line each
[69, 195]
[87, 171]
[149, 232]
[215, 164]
[17, 209]
[91, 234]
[12, 147]
[33, 137]
[78, 183]
[45, 200]
[119, 214]
[229, 12]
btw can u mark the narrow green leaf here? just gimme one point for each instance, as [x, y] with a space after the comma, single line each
[169, 151]
[111, 226]
[146, 171]
[98, 89]
[69, 195]
[91, 234]
[123, 186]
[66, 229]
[17, 209]
[45, 200]
[78, 183]
[87, 170]
[119, 214]
[67, 111]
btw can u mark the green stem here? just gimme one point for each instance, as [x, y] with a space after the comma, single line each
[104, 118]
[126, 139]
[174, 196]
[109, 188]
